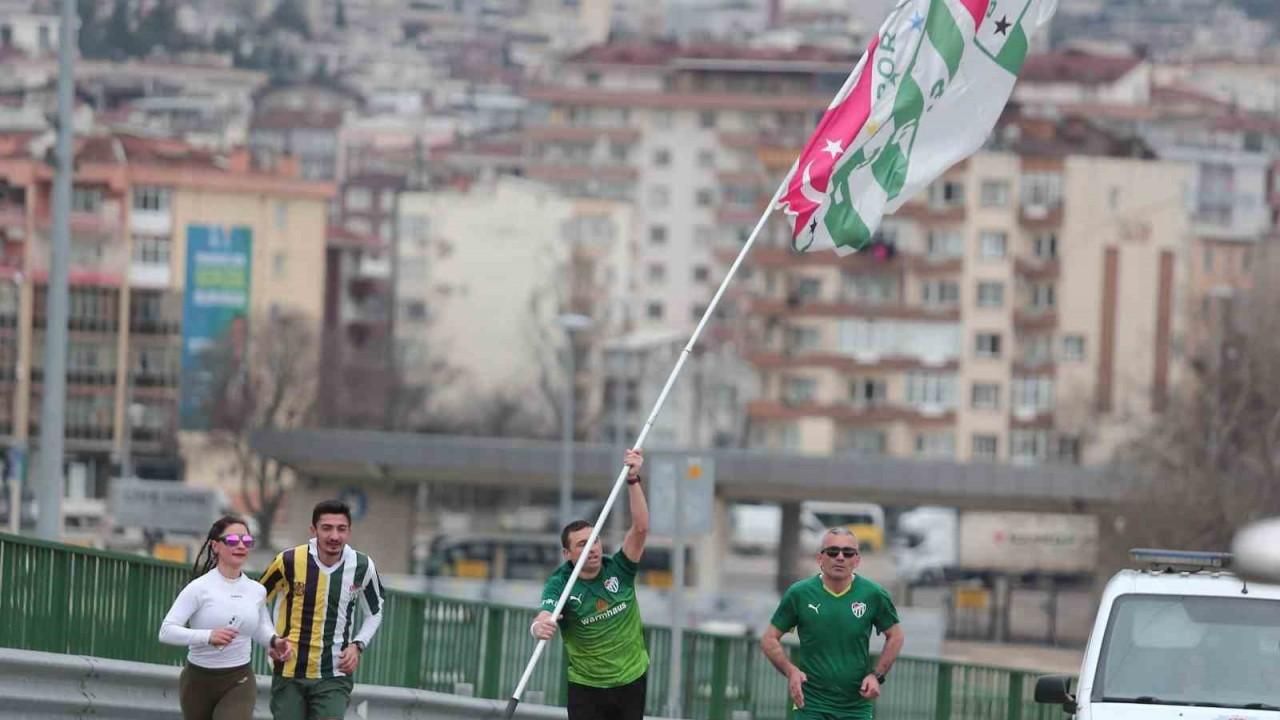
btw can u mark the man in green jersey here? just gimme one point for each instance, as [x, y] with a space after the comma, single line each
[601, 619]
[834, 612]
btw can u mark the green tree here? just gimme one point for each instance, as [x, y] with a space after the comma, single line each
[289, 15]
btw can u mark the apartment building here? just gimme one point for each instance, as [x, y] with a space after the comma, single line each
[656, 124]
[137, 204]
[1023, 309]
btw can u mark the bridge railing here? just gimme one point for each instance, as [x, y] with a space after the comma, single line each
[73, 600]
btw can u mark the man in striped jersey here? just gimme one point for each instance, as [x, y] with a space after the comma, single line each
[315, 588]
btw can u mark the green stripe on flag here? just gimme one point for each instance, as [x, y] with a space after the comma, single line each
[945, 35]
[890, 168]
[1014, 52]
[843, 223]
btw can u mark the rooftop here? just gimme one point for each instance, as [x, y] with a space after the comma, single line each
[1077, 67]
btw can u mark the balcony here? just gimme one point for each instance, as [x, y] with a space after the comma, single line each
[95, 260]
[1037, 216]
[579, 134]
[106, 221]
[1032, 268]
[581, 171]
[849, 415]
[154, 378]
[1034, 319]
[923, 211]
[878, 311]
[773, 359]
[155, 312]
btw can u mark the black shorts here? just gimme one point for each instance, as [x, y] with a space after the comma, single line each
[625, 702]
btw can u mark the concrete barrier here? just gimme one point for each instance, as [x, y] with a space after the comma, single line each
[45, 686]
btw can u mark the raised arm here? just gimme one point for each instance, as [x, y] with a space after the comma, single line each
[633, 543]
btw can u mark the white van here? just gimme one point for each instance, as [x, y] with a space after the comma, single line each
[1181, 639]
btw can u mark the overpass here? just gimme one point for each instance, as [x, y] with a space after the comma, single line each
[741, 475]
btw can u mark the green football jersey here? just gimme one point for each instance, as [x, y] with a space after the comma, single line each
[601, 626]
[835, 638]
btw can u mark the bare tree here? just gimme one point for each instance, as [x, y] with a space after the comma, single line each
[268, 383]
[1211, 461]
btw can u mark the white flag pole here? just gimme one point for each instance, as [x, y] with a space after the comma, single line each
[644, 433]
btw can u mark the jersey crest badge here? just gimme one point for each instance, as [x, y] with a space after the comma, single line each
[611, 584]
[859, 609]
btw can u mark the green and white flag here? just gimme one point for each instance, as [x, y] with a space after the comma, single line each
[924, 96]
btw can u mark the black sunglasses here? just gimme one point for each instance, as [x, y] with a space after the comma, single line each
[837, 551]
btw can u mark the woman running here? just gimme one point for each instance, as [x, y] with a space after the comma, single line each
[216, 615]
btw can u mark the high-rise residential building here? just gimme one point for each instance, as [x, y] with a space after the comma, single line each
[1022, 309]
[165, 237]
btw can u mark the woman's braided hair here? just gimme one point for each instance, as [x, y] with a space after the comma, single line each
[200, 567]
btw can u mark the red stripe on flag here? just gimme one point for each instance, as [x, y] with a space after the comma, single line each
[976, 8]
[841, 123]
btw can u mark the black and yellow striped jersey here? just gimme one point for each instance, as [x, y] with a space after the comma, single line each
[314, 607]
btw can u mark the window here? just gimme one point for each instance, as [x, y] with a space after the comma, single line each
[659, 196]
[806, 288]
[618, 153]
[151, 250]
[86, 253]
[860, 441]
[654, 311]
[698, 310]
[1073, 348]
[1027, 446]
[985, 448]
[701, 273]
[1045, 246]
[931, 390]
[1208, 258]
[658, 235]
[1068, 449]
[1041, 190]
[985, 396]
[789, 437]
[657, 272]
[937, 445]
[947, 193]
[359, 199]
[940, 292]
[279, 264]
[873, 289]
[1043, 296]
[415, 311]
[86, 199]
[661, 157]
[706, 159]
[147, 198]
[707, 119]
[799, 391]
[990, 294]
[995, 193]
[987, 345]
[705, 197]
[663, 119]
[1033, 394]
[868, 392]
[282, 215]
[1036, 349]
[802, 338]
[993, 244]
[944, 244]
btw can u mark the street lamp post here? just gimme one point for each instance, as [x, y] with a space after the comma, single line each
[570, 323]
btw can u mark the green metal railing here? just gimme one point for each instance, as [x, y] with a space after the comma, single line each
[68, 599]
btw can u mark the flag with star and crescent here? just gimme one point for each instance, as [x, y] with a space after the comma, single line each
[924, 96]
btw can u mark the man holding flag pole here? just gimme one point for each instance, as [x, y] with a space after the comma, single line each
[603, 637]
[925, 95]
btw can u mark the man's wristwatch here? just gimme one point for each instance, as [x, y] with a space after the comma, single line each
[880, 677]
[360, 646]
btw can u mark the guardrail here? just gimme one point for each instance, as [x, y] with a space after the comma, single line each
[76, 601]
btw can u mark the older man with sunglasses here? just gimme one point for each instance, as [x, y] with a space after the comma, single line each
[834, 613]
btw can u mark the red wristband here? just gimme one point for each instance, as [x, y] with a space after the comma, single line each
[634, 480]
